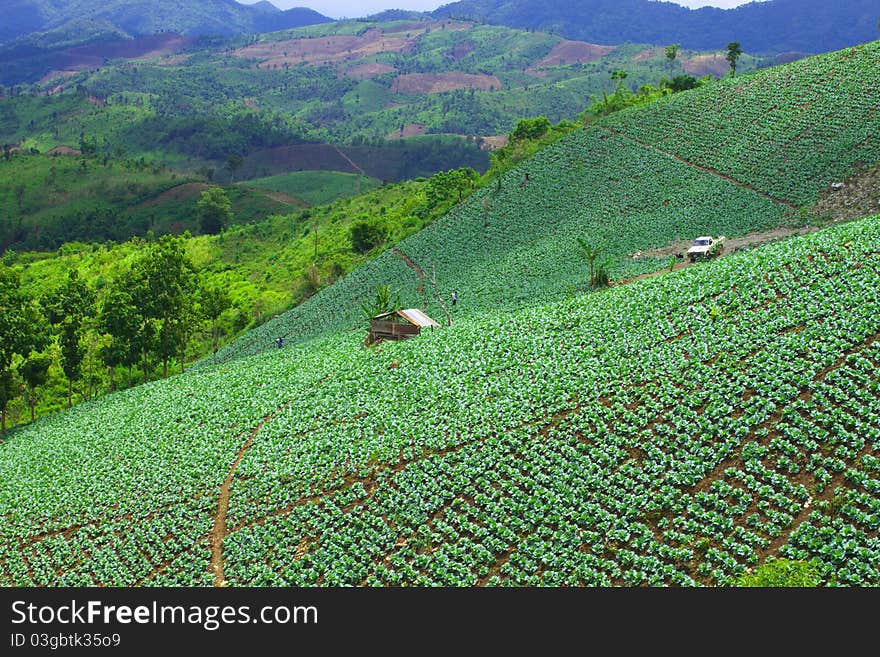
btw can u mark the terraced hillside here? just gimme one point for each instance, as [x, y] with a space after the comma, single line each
[741, 155]
[676, 431]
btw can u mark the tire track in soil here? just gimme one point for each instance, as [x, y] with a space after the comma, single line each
[713, 172]
[220, 530]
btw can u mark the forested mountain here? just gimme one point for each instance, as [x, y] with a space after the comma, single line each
[58, 21]
[769, 27]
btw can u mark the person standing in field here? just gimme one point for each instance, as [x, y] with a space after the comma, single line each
[454, 297]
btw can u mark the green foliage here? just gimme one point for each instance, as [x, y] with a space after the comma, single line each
[530, 128]
[367, 235]
[783, 573]
[317, 187]
[68, 309]
[597, 261]
[214, 301]
[19, 333]
[386, 300]
[734, 50]
[35, 372]
[450, 185]
[564, 434]
[215, 210]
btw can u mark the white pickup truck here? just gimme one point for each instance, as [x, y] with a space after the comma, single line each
[706, 247]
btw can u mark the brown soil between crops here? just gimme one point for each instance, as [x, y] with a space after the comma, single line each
[859, 197]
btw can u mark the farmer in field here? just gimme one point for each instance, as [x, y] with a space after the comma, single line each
[454, 297]
[280, 342]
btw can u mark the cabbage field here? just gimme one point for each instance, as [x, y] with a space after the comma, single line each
[737, 156]
[678, 431]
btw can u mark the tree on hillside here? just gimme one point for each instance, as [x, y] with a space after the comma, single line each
[163, 283]
[446, 185]
[119, 319]
[671, 53]
[233, 164]
[68, 309]
[366, 235]
[733, 52]
[530, 128]
[214, 210]
[597, 262]
[21, 332]
[215, 300]
[35, 372]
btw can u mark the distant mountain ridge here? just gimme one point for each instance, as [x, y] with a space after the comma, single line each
[768, 27]
[69, 19]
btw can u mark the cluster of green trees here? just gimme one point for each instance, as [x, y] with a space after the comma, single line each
[146, 316]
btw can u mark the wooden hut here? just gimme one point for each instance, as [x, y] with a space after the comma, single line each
[398, 325]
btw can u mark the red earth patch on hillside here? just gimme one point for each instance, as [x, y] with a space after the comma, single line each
[700, 65]
[324, 50]
[66, 151]
[460, 50]
[366, 70]
[649, 53]
[409, 130]
[434, 83]
[494, 142]
[93, 55]
[573, 52]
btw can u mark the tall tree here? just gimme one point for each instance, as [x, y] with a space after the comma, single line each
[20, 333]
[233, 164]
[671, 53]
[214, 210]
[68, 309]
[733, 52]
[35, 372]
[164, 281]
[215, 300]
[119, 319]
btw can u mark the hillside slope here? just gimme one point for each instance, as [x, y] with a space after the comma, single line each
[676, 431]
[74, 20]
[742, 155]
[771, 26]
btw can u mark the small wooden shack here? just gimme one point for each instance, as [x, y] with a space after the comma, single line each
[398, 325]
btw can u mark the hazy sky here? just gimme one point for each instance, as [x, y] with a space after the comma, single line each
[359, 8]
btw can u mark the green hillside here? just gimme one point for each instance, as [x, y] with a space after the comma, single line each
[317, 187]
[675, 431]
[680, 430]
[47, 201]
[635, 180]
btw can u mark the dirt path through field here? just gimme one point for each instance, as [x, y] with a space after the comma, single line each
[350, 161]
[731, 245]
[220, 530]
[708, 170]
[409, 263]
